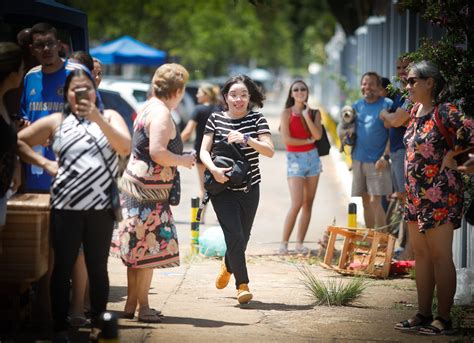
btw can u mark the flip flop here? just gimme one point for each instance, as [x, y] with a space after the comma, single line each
[150, 316]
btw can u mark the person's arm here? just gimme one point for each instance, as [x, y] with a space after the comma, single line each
[188, 130]
[111, 123]
[161, 130]
[314, 125]
[394, 119]
[205, 156]
[38, 133]
[262, 144]
[285, 131]
[383, 161]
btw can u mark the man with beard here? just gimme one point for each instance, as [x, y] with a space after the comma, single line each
[370, 167]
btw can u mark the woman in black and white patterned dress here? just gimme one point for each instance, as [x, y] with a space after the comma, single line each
[84, 140]
[236, 206]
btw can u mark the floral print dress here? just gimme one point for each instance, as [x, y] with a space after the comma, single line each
[434, 197]
[147, 237]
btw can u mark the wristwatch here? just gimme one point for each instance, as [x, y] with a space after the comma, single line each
[246, 139]
[386, 157]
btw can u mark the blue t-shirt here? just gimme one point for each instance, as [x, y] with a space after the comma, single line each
[43, 95]
[371, 134]
[396, 133]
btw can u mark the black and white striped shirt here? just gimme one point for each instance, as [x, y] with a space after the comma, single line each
[254, 123]
[82, 182]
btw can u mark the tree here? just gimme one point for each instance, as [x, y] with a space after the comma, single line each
[208, 35]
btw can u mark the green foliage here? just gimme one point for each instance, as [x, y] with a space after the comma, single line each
[453, 54]
[332, 292]
[209, 35]
[349, 94]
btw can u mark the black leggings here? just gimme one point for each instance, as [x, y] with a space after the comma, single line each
[236, 212]
[94, 229]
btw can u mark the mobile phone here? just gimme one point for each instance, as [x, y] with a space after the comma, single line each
[81, 93]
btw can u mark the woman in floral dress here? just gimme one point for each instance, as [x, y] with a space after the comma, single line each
[146, 238]
[434, 194]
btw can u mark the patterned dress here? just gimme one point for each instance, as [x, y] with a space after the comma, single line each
[434, 197]
[146, 237]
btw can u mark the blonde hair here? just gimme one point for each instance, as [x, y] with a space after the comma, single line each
[212, 91]
[168, 79]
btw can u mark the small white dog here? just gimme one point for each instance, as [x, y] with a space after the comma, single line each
[346, 129]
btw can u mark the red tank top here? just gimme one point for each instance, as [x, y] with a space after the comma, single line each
[297, 130]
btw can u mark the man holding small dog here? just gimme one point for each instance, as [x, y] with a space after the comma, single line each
[371, 173]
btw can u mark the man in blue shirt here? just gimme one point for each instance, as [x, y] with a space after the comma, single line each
[43, 93]
[370, 168]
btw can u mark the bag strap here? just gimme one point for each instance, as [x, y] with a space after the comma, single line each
[442, 128]
[94, 140]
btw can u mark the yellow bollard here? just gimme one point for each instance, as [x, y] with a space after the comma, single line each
[194, 225]
[352, 215]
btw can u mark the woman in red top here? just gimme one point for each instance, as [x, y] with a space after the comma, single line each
[300, 129]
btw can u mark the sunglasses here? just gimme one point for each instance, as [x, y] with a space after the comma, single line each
[412, 80]
[299, 90]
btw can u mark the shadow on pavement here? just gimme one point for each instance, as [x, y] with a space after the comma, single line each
[199, 322]
[117, 294]
[258, 305]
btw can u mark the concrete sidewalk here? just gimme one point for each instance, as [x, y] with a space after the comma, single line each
[195, 311]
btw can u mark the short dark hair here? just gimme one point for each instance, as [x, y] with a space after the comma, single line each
[83, 58]
[372, 74]
[43, 29]
[385, 82]
[256, 94]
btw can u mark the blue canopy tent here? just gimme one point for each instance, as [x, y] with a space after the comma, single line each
[128, 50]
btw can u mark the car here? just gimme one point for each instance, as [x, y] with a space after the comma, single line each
[137, 92]
[115, 101]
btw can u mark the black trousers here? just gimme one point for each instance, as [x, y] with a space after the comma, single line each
[236, 213]
[94, 229]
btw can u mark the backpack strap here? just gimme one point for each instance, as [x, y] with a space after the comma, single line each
[442, 128]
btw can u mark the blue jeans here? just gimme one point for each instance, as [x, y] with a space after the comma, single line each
[303, 164]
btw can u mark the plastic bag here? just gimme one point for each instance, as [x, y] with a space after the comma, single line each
[463, 288]
[212, 242]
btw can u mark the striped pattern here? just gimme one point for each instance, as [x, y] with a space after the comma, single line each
[82, 182]
[254, 123]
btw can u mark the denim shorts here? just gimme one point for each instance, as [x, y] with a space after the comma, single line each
[303, 164]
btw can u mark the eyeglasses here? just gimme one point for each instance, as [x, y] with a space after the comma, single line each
[243, 96]
[412, 80]
[43, 45]
[299, 90]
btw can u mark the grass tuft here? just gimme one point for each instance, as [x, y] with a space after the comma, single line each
[332, 292]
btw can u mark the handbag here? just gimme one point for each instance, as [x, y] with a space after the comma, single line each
[323, 145]
[175, 191]
[115, 200]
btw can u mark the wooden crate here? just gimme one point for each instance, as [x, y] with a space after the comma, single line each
[370, 250]
[25, 238]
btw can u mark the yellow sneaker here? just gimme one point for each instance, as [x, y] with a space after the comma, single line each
[223, 278]
[243, 294]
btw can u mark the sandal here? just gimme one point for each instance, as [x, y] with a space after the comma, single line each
[432, 330]
[78, 321]
[150, 316]
[414, 323]
[128, 315]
